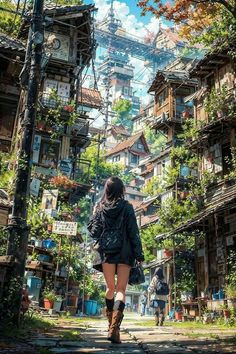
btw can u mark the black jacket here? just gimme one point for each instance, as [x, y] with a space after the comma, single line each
[132, 247]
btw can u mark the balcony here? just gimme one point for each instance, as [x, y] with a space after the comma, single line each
[49, 101]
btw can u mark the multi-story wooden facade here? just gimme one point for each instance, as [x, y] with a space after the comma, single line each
[214, 143]
[11, 62]
[169, 113]
[62, 124]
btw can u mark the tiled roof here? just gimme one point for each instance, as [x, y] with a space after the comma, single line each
[120, 129]
[5, 203]
[130, 190]
[65, 9]
[149, 219]
[173, 36]
[171, 76]
[144, 204]
[135, 203]
[128, 143]
[90, 98]
[9, 43]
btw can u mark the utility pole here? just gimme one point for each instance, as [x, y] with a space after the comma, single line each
[17, 228]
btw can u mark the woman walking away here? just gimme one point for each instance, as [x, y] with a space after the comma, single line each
[159, 290]
[118, 246]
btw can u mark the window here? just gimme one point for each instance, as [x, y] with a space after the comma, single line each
[116, 158]
[134, 159]
[140, 146]
[49, 153]
[162, 98]
[7, 119]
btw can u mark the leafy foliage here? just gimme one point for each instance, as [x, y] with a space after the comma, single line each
[99, 166]
[122, 107]
[194, 17]
[153, 187]
[156, 141]
[7, 172]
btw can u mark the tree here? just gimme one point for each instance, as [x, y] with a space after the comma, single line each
[122, 107]
[99, 166]
[10, 22]
[155, 140]
[195, 17]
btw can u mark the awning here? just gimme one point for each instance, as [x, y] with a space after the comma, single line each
[196, 95]
[157, 262]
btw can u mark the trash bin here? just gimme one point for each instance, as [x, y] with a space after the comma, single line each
[94, 307]
[88, 305]
[34, 284]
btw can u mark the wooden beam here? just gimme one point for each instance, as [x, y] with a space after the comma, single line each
[69, 16]
[214, 61]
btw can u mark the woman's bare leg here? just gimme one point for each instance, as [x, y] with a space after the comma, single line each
[109, 271]
[122, 281]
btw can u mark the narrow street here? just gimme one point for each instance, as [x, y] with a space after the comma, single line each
[88, 335]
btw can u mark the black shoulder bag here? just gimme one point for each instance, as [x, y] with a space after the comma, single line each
[136, 275]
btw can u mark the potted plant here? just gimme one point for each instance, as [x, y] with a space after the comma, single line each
[49, 297]
[57, 303]
[226, 311]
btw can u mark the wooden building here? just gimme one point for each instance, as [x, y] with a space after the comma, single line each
[170, 112]
[129, 152]
[215, 118]
[12, 54]
[62, 125]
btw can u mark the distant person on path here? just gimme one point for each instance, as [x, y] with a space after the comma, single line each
[117, 247]
[143, 303]
[159, 290]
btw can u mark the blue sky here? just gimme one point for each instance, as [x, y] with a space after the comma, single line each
[134, 9]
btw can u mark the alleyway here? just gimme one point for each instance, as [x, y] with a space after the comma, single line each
[76, 335]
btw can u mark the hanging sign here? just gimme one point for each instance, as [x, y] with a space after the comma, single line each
[49, 199]
[64, 228]
[34, 187]
[36, 148]
[66, 167]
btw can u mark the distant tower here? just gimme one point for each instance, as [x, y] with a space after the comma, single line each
[115, 69]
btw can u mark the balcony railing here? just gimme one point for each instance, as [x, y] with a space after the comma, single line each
[49, 101]
[82, 171]
[80, 128]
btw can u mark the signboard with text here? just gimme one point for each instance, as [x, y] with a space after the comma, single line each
[64, 228]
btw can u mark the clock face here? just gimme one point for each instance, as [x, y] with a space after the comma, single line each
[60, 46]
[56, 44]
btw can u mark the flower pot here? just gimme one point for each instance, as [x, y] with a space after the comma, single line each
[57, 305]
[48, 304]
[178, 316]
[167, 253]
[226, 313]
[185, 114]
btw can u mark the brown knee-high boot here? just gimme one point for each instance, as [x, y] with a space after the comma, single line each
[109, 317]
[114, 333]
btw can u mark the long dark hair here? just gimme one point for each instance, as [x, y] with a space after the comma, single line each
[113, 191]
